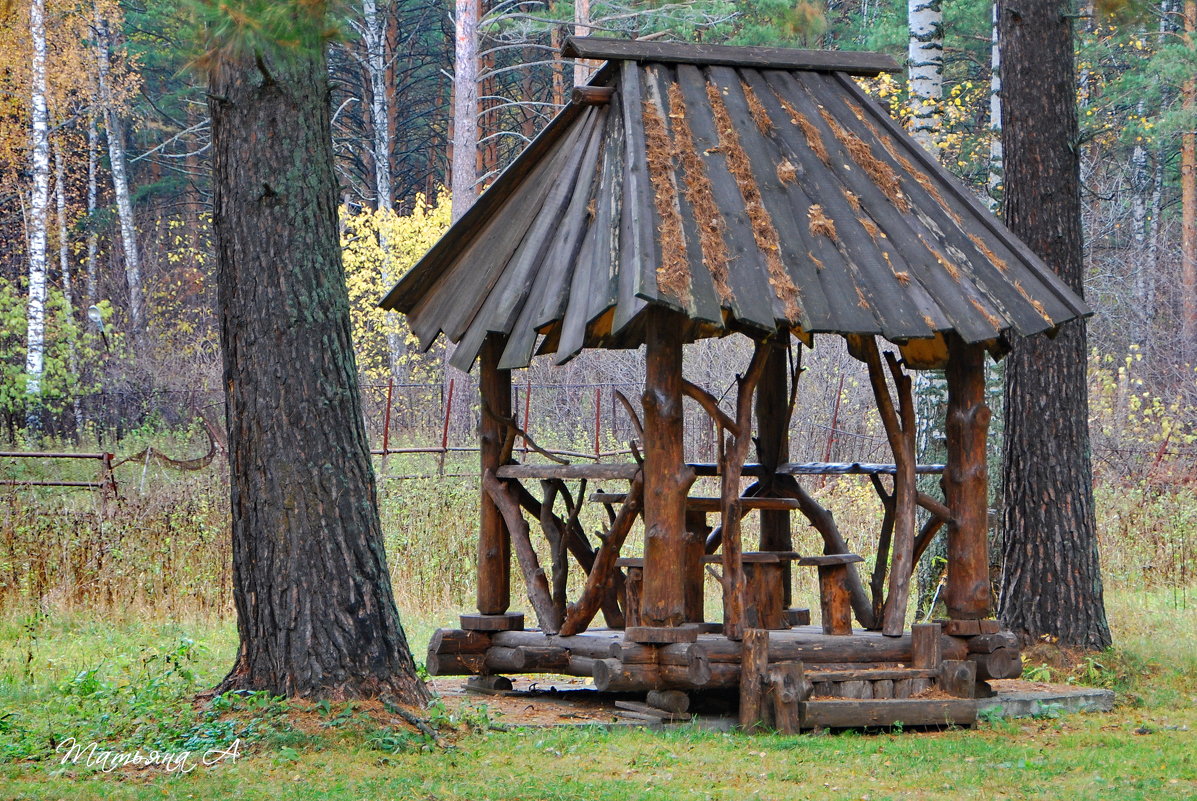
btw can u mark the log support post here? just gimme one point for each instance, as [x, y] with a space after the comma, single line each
[494, 541]
[667, 478]
[966, 483]
[773, 449]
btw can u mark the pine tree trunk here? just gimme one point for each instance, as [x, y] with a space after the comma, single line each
[1051, 584]
[925, 55]
[39, 201]
[1188, 204]
[463, 174]
[315, 610]
[115, 134]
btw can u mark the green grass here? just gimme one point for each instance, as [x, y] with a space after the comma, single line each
[131, 684]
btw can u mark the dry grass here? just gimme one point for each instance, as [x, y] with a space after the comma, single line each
[763, 231]
[878, 171]
[759, 115]
[673, 273]
[820, 223]
[700, 196]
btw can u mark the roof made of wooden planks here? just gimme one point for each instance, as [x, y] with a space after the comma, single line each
[751, 189]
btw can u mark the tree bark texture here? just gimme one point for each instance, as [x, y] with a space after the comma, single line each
[966, 483]
[773, 450]
[667, 478]
[39, 202]
[315, 610]
[925, 55]
[494, 541]
[1188, 190]
[1051, 583]
[114, 132]
[463, 168]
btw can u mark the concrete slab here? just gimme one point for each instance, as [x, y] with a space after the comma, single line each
[1045, 703]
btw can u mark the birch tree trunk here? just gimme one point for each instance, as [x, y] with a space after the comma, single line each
[994, 184]
[39, 167]
[93, 239]
[925, 54]
[374, 35]
[1142, 186]
[64, 260]
[463, 173]
[64, 267]
[114, 133]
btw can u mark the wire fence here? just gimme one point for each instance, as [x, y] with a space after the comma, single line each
[431, 428]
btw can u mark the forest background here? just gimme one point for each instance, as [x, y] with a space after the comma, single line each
[114, 613]
[106, 271]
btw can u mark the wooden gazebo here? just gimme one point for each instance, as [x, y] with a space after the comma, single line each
[695, 191]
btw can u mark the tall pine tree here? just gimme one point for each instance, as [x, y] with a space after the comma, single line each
[315, 611]
[1051, 583]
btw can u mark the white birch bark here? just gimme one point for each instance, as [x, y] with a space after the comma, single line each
[994, 184]
[1141, 188]
[925, 56]
[39, 201]
[375, 39]
[64, 260]
[93, 239]
[114, 133]
[64, 267]
[464, 169]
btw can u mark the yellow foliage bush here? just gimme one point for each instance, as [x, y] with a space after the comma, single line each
[378, 247]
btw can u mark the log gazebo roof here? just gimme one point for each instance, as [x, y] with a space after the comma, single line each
[750, 189]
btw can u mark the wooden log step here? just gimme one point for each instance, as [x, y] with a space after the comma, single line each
[892, 674]
[499, 659]
[612, 675]
[812, 647]
[854, 713]
[457, 641]
[596, 645]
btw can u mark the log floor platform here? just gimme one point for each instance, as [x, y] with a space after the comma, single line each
[789, 679]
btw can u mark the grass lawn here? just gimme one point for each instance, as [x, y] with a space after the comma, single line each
[132, 685]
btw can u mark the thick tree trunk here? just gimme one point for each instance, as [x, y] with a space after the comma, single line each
[315, 610]
[925, 54]
[463, 170]
[39, 201]
[1051, 583]
[1188, 204]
